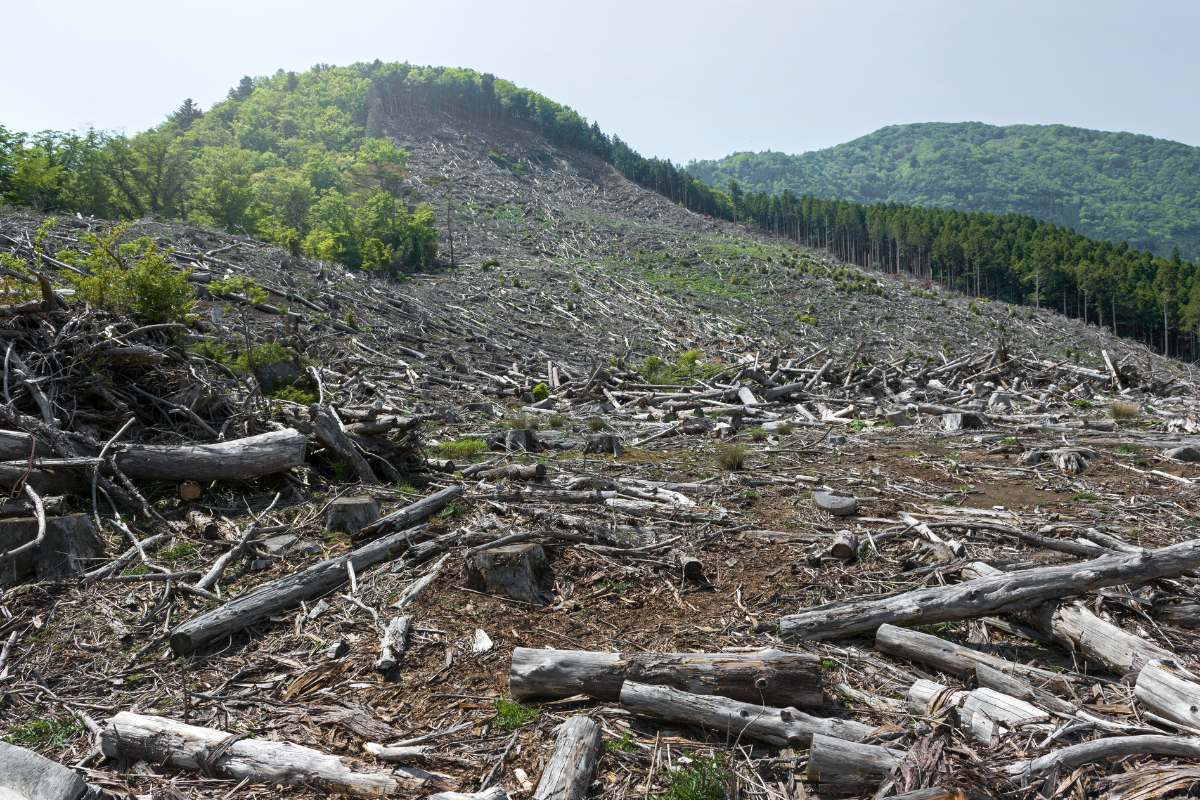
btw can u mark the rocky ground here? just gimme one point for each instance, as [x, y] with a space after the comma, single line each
[651, 415]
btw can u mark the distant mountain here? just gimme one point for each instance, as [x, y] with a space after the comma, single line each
[1116, 186]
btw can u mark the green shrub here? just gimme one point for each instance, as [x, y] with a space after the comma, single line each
[540, 392]
[294, 394]
[1123, 409]
[16, 285]
[54, 733]
[595, 424]
[133, 278]
[511, 715]
[262, 355]
[178, 551]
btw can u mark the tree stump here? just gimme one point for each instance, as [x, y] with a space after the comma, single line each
[519, 572]
[351, 514]
[604, 443]
[963, 421]
[69, 548]
[516, 440]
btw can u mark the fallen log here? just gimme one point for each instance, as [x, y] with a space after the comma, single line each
[159, 740]
[569, 772]
[984, 713]
[1169, 692]
[1110, 748]
[237, 459]
[25, 774]
[1010, 591]
[330, 432]
[492, 793]
[393, 645]
[841, 767]
[780, 727]
[948, 657]
[766, 677]
[270, 598]
[413, 513]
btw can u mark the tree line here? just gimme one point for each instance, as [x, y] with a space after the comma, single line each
[1009, 257]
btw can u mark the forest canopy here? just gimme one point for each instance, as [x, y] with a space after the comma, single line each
[1114, 186]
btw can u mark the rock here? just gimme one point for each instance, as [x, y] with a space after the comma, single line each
[605, 443]
[351, 514]
[25, 775]
[71, 546]
[519, 572]
[963, 421]
[840, 505]
[289, 542]
[1188, 452]
[481, 642]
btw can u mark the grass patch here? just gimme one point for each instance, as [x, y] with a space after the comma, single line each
[178, 551]
[294, 394]
[1083, 404]
[55, 733]
[688, 368]
[732, 457]
[758, 434]
[1085, 497]
[462, 448]
[703, 779]
[595, 424]
[1123, 409]
[511, 715]
[625, 744]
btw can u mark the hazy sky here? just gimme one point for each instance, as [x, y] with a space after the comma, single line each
[684, 80]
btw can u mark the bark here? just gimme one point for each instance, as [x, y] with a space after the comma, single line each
[279, 595]
[493, 793]
[520, 572]
[768, 677]
[1170, 692]
[330, 432]
[1010, 591]
[985, 713]
[393, 645]
[948, 657]
[238, 459]
[569, 772]
[780, 727]
[840, 767]
[1107, 749]
[1099, 641]
[66, 547]
[159, 740]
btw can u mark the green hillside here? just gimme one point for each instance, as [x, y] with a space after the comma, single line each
[1116, 186]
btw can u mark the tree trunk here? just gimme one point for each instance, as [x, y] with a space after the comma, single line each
[237, 459]
[1170, 692]
[279, 595]
[569, 772]
[158, 740]
[768, 677]
[840, 767]
[780, 727]
[1010, 591]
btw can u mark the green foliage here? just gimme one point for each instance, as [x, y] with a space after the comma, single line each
[16, 283]
[540, 392]
[732, 457]
[462, 448]
[1115, 186]
[133, 278]
[262, 355]
[179, 551]
[294, 394]
[511, 715]
[626, 744]
[53, 733]
[689, 367]
[595, 424]
[703, 779]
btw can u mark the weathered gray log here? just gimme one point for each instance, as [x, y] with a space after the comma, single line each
[25, 774]
[351, 514]
[516, 472]
[393, 645]
[1098, 640]
[767, 677]
[279, 595]
[1177, 611]
[841, 767]
[844, 546]
[1110, 748]
[569, 772]
[415, 512]
[948, 657]
[237, 459]
[17, 445]
[984, 713]
[1170, 692]
[780, 727]
[329, 431]
[690, 567]
[68, 547]
[159, 740]
[519, 572]
[1011, 591]
[1187, 452]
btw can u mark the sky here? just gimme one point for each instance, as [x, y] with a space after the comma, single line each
[681, 80]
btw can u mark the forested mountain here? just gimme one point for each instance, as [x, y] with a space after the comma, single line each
[1114, 186]
[311, 161]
